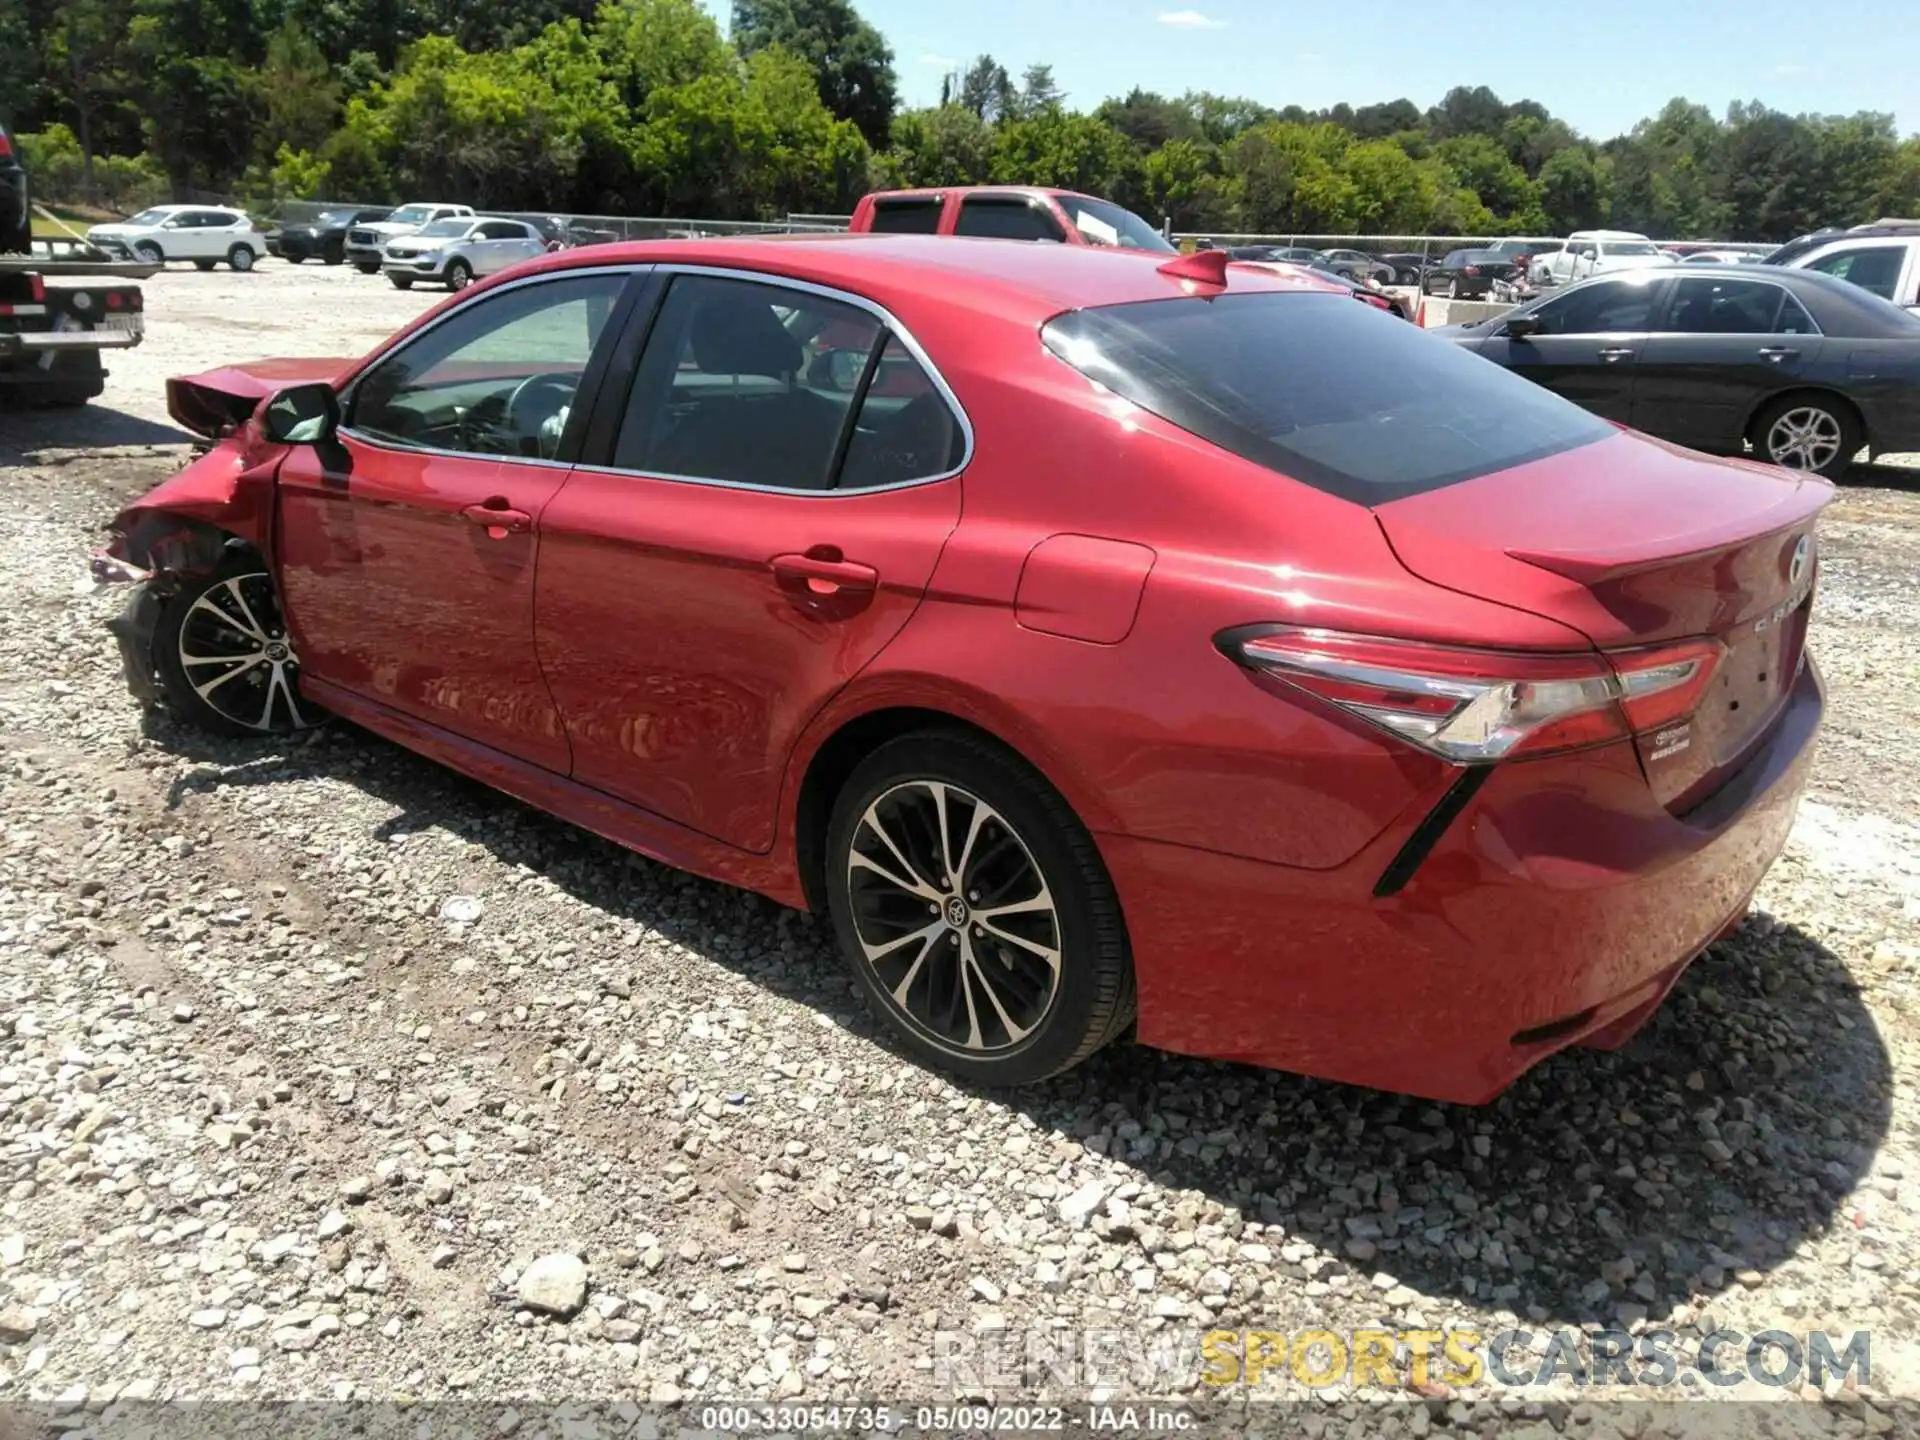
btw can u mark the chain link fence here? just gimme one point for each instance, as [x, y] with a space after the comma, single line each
[589, 229]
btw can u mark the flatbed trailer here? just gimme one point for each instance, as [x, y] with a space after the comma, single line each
[58, 315]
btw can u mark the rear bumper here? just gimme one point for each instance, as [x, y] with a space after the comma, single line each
[1558, 908]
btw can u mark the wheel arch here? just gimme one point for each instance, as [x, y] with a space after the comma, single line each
[1808, 392]
[847, 732]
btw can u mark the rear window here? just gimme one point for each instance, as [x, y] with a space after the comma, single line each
[907, 217]
[1342, 397]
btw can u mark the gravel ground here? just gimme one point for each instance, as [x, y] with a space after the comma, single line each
[326, 1073]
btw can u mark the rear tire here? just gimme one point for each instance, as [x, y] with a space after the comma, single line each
[366, 269]
[241, 257]
[1009, 973]
[223, 655]
[1811, 432]
[1453, 289]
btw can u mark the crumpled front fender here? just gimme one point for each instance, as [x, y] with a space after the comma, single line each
[229, 489]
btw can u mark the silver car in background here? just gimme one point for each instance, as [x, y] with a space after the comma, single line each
[456, 252]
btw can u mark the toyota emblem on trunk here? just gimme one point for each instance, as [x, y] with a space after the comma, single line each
[1802, 556]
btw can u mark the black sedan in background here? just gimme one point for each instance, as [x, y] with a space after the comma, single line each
[1468, 274]
[325, 239]
[1805, 368]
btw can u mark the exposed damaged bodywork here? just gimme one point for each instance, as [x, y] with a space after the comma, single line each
[195, 521]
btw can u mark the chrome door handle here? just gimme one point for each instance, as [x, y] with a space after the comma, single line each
[1777, 353]
[1612, 355]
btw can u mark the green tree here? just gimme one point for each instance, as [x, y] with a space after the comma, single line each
[300, 96]
[1573, 192]
[1181, 181]
[1038, 92]
[944, 145]
[1149, 120]
[851, 62]
[986, 89]
[1062, 149]
[1482, 166]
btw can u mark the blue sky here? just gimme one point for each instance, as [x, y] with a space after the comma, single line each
[1599, 64]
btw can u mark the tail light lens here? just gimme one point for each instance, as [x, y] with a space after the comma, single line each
[1473, 269]
[6, 146]
[37, 289]
[1474, 706]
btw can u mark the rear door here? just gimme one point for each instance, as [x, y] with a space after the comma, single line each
[756, 516]
[1723, 344]
[1588, 343]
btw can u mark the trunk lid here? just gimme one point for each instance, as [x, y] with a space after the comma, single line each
[1633, 543]
[214, 401]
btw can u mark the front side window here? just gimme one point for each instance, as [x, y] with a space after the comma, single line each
[1101, 222]
[496, 377]
[1708, 306]
[1607, 308]
[446, 228]
[1339, 396]
[1871, 267]
[907, 217]
[1006, 218]
[1619, 248]
[411, 215]
[765, 385]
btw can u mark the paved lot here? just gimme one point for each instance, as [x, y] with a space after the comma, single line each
[271, 1123]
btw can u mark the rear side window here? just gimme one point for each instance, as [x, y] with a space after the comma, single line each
[1007, 218]
[1340, 396]
[907, 217]
[1735, 307]
[1875, 267]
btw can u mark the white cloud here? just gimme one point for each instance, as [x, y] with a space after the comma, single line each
[1190, 20]
[939, 62]
[1786, 69]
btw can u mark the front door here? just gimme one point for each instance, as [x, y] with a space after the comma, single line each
[764, 521]
[1724, 345]
[407, 549]
[1588, 344]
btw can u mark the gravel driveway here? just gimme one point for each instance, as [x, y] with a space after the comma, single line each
[326, 1073]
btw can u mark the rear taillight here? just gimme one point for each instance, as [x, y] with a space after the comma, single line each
[1473, 269]
[37, 289]
[1473, 706]
[6, 147]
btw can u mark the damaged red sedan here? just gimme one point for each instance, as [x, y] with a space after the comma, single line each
[1091, 635]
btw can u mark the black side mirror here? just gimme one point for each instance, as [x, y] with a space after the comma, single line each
[1519, 327]
[302, 415]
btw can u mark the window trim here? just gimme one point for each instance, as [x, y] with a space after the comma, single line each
[590, 378]
[889, 324]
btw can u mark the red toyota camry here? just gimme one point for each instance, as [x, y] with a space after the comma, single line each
[1090, 634]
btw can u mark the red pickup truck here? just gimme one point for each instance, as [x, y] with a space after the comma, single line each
[1034, 212]
[1007, 212]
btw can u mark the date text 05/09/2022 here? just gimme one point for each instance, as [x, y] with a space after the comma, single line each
[967, 1419]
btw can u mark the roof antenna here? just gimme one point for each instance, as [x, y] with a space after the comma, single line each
[1205, 267]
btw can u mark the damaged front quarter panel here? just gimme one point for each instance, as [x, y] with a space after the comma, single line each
[185, 526]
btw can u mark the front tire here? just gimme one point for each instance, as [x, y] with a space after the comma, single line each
[974, 911]
[225, 661]
[401, 282]
[1808, 432]
[150, 253]
[459, 275]
[366, 269]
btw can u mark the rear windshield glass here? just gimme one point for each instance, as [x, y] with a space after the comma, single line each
[1343, 397]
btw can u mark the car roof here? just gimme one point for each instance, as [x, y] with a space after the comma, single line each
[926, 192]
[1021, 279]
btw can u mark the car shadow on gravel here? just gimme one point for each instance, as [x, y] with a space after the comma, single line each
[1601, 1187]
[87, 427]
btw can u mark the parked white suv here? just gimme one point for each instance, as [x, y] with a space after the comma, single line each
[1886, 262]
[366, 244]
[204, 234]
[1589, 252]
[453, 252]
